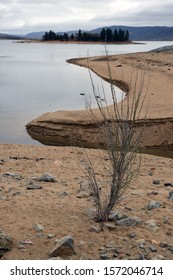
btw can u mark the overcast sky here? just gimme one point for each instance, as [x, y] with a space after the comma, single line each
[24, 16]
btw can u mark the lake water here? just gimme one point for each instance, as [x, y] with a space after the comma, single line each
[35, 79]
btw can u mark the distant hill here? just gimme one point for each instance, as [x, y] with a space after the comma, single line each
[8, 36]
[145, 33]
[35, 35]
[142, 33]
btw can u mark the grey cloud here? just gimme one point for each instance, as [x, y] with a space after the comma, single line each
[35, 15]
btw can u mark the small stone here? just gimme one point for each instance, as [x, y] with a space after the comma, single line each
[94, 229]
[48, 178]
[141, 246]
[163, 245]
[12, 175]
[104, 257]
[153, 204]
[170, 195]
[152, 224]
[6, 242]
[90, 213]
[128, 222]
[85, 187]
[83, 194]
[38, 227]
[165, 220]
[65, 247]
[116, 215]
[153, 193]
[168, 184]
[25, 242]
[152, 248]
[132, 235]
[21, 247]
[15, 193]
[50, 235]
[81, 244]
[62, 194]
[3, 197]
[170, 248]
[33, 187]
[109, 226]
[156, 182]
[142, 257]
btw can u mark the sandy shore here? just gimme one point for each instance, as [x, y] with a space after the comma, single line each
[58, 209]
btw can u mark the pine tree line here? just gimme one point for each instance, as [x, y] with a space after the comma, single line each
[106, 35]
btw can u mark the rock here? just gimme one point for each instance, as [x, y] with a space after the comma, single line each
[104, 257]
[50, 235]
[109, 226]
[82, 194]
[153, 193]
[116, 215]
[128, 222]
[152, 224]
[163, 245]
[156, 182]
[153, 204]
[3, 197]
[25, 242]
[47, 178]
[94, 229]
[170, 195]
[90, 213]
[38, 227]
[15, 193]
[33, 187]
[170, 248]
[21, 247]
[12, 175]
[168, 184]
[152, 248]
[132, 235]
[64, 247]
[165, 220]
[85, 187]
[6, 242]
[62, 194]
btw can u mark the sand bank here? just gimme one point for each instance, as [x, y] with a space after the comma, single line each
[76, 127]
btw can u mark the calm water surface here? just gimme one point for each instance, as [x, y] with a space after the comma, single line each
[35, 78]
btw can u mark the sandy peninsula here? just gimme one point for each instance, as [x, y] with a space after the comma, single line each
[36, 213]
[127, 72]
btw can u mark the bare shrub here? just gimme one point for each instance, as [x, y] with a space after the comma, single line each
[120, 159]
